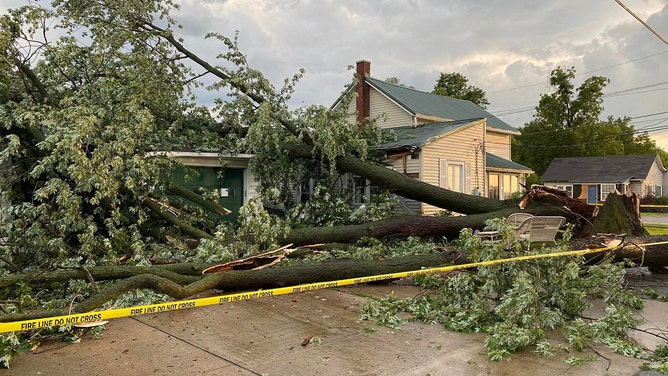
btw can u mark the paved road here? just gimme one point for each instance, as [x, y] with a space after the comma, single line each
[266, 336]
[661, 219]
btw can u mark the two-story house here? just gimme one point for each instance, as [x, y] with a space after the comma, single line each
[451, 143]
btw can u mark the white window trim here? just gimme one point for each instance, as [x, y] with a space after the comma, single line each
[566, 187]
[446, 176]
[605, 192]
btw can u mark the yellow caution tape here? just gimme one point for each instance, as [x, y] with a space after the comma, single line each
[75, 319]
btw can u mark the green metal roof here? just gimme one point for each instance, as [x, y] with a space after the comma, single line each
[418, 137]
[494, 161]
[420, 102]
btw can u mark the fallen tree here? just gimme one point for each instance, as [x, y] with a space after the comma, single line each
[80, 121]
[165, 280]
[183, 280]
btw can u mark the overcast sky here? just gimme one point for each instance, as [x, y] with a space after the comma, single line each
[507, 48]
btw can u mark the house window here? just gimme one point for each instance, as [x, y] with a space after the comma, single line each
[494, 186]
[567, 188]
[362, 190]
[655, 190]
[606, 189]
[306, 191]
[359, 189]
[454, 176]
[510, 185]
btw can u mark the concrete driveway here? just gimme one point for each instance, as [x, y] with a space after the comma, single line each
[269, 337]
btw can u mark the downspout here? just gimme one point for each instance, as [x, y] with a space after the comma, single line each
[485, 179]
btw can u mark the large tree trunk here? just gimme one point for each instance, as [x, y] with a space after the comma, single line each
[397, 227]
[405, 186]
[239, 280]
[168, 279]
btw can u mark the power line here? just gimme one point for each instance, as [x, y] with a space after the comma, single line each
[580, 74]
[649, 128]
[619, 92]
[642, 22]
[597, 139]
[629, 91]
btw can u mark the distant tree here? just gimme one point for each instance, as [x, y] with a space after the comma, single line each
[396, 81]
[568, 123]
[456, 85]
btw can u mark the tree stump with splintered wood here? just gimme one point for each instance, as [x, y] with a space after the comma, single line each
[620, 214]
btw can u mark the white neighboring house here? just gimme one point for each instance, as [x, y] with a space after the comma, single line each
[591, 179]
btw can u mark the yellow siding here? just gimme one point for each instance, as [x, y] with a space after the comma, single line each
[459, 146]
[498, 144]
[390, 115]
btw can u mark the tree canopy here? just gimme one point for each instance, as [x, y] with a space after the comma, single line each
[455, 85]
[568, 123]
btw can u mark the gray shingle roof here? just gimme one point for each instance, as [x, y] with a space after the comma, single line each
[606, 169]
[420, 102]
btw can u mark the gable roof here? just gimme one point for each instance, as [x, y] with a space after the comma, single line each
[605, 169]
[411, 138]
[420, 102]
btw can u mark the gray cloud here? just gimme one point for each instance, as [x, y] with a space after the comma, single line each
[507, 48]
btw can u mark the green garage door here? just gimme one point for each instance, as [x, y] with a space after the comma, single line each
[230, 187]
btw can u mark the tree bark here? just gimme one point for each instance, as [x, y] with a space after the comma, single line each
[405, 186]
[241, 280]
[620, 214]
[422, 226]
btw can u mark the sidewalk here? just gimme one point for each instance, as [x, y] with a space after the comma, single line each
[266, 337]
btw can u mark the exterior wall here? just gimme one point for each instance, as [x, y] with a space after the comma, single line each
[388, 113]
[498, 144]
[457, 147]
[394, 116]
[638, 188]
[654, 178]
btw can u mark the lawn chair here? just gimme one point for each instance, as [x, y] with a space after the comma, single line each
[540, 228]
[516, 219]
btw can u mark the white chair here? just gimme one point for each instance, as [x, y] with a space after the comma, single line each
[540, 228]
[516, 219]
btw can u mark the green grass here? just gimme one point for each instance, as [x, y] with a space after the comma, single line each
[655, 230]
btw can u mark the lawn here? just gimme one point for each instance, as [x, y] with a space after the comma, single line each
[655, 230]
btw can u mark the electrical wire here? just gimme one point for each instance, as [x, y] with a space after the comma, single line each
[642, 22]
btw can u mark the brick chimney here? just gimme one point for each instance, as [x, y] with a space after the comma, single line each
[363, 100]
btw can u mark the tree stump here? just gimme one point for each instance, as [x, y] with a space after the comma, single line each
[620, 214]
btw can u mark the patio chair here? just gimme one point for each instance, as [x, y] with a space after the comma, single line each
[516, 219]
[540, 228]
